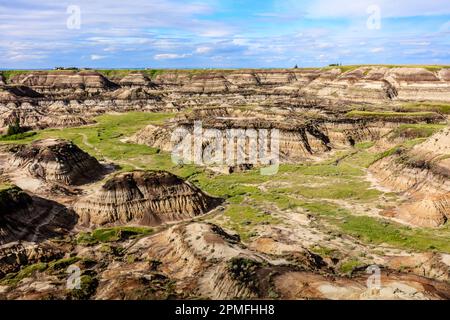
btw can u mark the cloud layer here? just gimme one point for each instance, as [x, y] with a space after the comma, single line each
[222, 34]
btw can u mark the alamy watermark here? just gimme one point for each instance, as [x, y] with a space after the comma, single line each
[73, 22]
[374, 20]
[374, 280]
[227, 147]
[74, 279]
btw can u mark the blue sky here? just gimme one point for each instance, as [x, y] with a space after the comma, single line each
[222, 33]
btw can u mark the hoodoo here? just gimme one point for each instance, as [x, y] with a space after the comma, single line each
[143, 197]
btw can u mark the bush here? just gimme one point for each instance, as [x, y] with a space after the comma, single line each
[14, 129]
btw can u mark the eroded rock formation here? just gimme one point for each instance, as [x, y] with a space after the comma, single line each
[86, 94]
[422, 173]
[56, 161]
[146, 198]
[23, 217]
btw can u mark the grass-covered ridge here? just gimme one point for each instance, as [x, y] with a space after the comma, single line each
[390, 114]
[439, 107]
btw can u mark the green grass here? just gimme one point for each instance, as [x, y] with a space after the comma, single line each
[349, 265]
[427, 106]
[18, 136]
[12, 279]
[62, 263]
[112, 235]
[389, 114]
[88, 286]
[379, 231]
[243, 219]
[414, 131]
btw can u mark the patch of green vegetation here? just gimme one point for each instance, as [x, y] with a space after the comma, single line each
[427, 106]
[88, 286]
[365, 145]
[380, 231]
[348, 189]
[350, 265]
[229, 186]
[62, 264]
[325, 252]
[243, 218]
[414, 131]
[112, 235]
[12, 279]
[244, 271]
[390, 114]
[8, 74]
[18, 136]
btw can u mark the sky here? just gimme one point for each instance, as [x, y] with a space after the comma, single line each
[43, 34]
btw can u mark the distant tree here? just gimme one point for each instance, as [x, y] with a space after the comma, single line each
[296, 67]
[14, 128]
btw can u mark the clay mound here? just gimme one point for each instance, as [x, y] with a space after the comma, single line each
[412, 74]
[134, 94]
[35, 119]
[243, 79]
[136, 79]
[275, 77]
[59, 161]
[201, 255]
[430, 212]
[207, 84]
[145, 198]
[23, 217]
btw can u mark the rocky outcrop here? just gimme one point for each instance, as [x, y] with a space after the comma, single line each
[23, 217]
[136, 79]
[204, 256]
[146, 198]
[14, 255]
[250, 136]
[422, 173]
[56, 161]
[304, 285]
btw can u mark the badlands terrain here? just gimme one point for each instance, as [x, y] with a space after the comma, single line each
[88, 186]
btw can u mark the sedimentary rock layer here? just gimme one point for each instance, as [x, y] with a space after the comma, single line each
[85, 94]
[57, 161]
[23, 217]
[422, 173]
[140, 197]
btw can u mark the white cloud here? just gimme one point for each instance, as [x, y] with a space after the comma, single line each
[97, 57]
[170, 56]
[389, 8]
[203, 50]
[377, 50]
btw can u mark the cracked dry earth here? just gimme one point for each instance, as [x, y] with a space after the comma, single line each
[90, 183]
